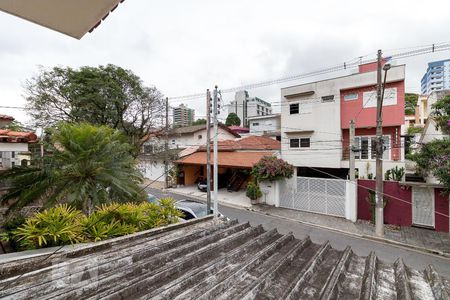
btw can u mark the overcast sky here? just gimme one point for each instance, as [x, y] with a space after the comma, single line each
[185, 47]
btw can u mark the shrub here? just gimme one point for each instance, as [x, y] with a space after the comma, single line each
[253, 191]
[56, 226]
[397, 173]
[63, 225]
[272, 168]
[9, 227]
[413, 130]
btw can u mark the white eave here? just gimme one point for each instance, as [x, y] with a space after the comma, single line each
[72, 17]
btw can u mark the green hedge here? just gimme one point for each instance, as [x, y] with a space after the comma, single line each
[64, 225]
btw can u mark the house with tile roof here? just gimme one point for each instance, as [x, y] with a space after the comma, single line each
[182, 141]
[14, 145]
[236, 158]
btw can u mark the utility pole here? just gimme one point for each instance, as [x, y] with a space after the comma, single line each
[352, 149]
[379, 217]
[166, 147]
[216, 165]
[208, 152]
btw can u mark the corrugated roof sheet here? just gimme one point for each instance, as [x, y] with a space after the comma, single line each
[213, 259]
[226, 159]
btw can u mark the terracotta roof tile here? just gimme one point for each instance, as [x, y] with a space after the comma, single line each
[12, 136]
[227, 159]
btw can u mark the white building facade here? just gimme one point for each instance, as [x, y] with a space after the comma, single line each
[313, 136]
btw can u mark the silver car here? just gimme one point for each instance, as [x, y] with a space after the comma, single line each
[193, 209]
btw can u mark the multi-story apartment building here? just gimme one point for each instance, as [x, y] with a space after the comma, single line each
[246, 107]
[437, 77]
[183, 116]
[315, 119]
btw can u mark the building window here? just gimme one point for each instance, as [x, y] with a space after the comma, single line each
[328, 98]
[351, 96]
[255, 124]
[305, 143]
[173, 142]
[13, 154]
[294, 143]
[367, 147]
[199, 136]
[293, 108]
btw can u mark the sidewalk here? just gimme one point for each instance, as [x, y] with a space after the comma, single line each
[420, 239]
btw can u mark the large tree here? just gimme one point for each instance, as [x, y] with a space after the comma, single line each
[104, 95]
[87, 165]
[232, 119]
[199, 122]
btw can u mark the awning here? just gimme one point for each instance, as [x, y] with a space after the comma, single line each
[72, 17]
[243, 160]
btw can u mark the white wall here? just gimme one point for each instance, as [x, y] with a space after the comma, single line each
[17, 147]
[197, 138]
[153, 170]
[264, 124]
[320, 121]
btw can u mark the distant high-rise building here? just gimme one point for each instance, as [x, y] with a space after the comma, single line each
[437, 77]
[246, 107]
[183, 116]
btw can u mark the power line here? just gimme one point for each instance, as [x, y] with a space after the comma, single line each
[415, 51]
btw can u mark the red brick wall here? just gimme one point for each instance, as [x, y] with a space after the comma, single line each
[399, 212]
[441, 203]
[396, 212]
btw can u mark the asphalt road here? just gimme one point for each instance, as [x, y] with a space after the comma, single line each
[385, 252]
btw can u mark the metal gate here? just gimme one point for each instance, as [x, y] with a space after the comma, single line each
[423, 206]
[318, 195]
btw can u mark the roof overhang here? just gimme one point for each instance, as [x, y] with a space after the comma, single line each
[72, 17]
[299, 131]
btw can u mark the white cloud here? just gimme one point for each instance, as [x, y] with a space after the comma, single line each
[184, 47]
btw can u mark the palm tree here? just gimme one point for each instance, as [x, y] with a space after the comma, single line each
[87, 165]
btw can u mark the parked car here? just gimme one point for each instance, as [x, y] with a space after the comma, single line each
[202, 185]
[152, 198]
[193, 209]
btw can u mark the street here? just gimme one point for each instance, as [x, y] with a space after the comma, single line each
[362, 247]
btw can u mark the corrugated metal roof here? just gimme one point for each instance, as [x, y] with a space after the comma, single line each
[210, 259]
[226, 159]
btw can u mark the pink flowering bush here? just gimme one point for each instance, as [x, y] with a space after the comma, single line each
[271, 168]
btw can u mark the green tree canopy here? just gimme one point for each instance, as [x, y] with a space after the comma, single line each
[434, 158]
[441, 114]
[232, 119]
[199, 122]
[14, 126]
[88, 165]
[104, 95]
[410, 103]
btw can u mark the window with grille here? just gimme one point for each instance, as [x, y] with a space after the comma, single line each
[293, 108]
[305, 143]
[294, 143]
[329, 98]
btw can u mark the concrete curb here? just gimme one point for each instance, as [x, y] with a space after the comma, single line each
[361, 236]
